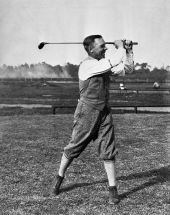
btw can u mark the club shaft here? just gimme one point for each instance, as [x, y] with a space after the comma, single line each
[42, 44]
[67, 43]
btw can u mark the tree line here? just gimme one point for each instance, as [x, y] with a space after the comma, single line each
[43, 70]
[39, 70]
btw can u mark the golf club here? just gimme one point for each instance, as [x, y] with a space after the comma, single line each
[42, 44]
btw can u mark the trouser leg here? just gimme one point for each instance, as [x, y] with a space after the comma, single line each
[106, 138]
[86, 124]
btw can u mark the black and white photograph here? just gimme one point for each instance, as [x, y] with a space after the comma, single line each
[84, 107]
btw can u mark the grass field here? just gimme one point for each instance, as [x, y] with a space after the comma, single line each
[30, 152]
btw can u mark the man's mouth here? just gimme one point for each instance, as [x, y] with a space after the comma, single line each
[103, 54]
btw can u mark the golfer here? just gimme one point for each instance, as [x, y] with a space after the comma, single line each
[92, 118]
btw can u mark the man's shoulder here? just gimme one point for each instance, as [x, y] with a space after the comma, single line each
[88, 59]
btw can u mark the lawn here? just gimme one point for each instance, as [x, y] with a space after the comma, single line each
[30, 151]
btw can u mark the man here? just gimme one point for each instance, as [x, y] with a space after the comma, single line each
[92, 118]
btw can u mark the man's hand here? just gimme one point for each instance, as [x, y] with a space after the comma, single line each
[118, 43]
[128, 45]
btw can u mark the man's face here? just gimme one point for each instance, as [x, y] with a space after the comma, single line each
[98, 49]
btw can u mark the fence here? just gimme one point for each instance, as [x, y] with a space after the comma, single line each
[134, 106]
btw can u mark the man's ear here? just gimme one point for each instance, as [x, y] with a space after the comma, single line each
[91, 48]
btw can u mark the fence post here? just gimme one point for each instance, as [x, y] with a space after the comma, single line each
[53, 110]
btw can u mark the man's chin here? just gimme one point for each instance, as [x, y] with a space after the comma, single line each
[102, 56]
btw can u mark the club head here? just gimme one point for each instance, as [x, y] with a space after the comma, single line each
[41, 45]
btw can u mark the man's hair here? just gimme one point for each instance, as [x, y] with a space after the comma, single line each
[88, 41]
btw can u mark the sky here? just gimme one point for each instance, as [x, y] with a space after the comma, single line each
[26, 23]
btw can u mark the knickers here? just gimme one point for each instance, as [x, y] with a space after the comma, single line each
[92, 124]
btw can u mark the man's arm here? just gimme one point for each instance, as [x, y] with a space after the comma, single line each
[92, 67]
[118, 65]
[127, 63]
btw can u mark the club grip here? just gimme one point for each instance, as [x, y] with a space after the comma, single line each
[134, 43]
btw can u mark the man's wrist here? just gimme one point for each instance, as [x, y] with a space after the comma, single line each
[129, 51]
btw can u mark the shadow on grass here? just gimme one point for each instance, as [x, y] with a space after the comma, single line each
[157, 176]
[85, 184]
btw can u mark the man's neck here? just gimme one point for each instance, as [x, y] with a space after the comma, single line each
[92, 58]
